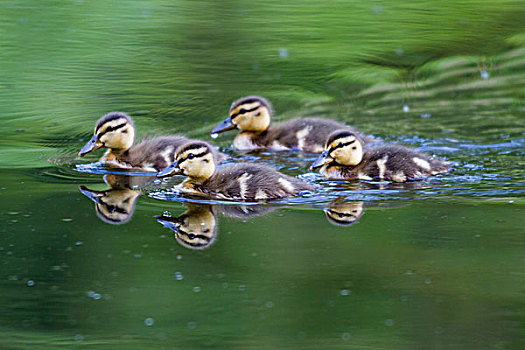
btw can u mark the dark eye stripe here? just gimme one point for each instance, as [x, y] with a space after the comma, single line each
[112, 128]
[340, 146]
[243, 111]
[194, 156]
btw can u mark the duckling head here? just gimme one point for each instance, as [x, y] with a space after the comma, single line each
[114, 206]
[342, 147]
[115, 131]
[195, 229]
[251, 113]
[344, 214]
[193, 159]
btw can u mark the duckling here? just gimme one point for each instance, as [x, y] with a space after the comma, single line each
[116, 205]
[195, 229]
[343, 158]
[253, 115]
[344, 213]
[244, 182]
[116, 132]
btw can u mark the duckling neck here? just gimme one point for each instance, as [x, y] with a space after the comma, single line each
[115, 157]
[248, 140]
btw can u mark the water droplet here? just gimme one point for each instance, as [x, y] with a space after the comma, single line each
[400, 51]
[97, 296]
[149, 321]
[30, 283]
[283, 53]
[345, 292]
[345, 336]
[485, 75]
[179, 257]
[196, 289]
[79, 243]
[167, 213]
[269, 304]
[242, 288]
[79, 338]
[137, 256]
[426, 115]
[192, 325]
[406, 108]
[378, 9]
[428, 281]
[389, 322]
[67, 219]
[179, 276]
[214, 135]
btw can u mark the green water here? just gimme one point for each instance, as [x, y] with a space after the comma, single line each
[433, 264]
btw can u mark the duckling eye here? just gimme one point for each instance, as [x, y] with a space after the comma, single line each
[191, 156]
[242, 111]
[340, 144]
[354, 148]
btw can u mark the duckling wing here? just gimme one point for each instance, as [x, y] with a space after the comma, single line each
[252, 182]
[306, 134]
[154, 154]
[400, 164]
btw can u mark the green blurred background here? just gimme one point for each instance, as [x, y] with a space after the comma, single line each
[437, 264]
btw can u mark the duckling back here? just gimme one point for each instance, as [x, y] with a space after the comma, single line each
[251, 182]
[154, 154]
[392, 163]
[305, 134]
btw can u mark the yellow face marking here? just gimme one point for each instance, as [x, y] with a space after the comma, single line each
[251, 117]
[120, 138]
[197, 163]
[346, 150]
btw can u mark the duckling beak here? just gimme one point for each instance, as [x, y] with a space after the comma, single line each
[225, 125]
[169, 222]
[91, 145]
[172, 169]
[93, 195]
[323, 159]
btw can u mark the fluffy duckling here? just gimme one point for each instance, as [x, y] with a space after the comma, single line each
[343, 158]
[253, 115]
[116, 132]
[244, 182]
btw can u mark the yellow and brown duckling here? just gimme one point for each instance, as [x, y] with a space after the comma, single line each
[116, 132]
[344, 158]
[243, 182]
[252, 115]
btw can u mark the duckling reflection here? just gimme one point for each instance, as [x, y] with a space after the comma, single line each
[344, 213]
[116, 205]
[197, 227]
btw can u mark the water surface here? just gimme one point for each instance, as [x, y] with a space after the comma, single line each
[437, 263]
